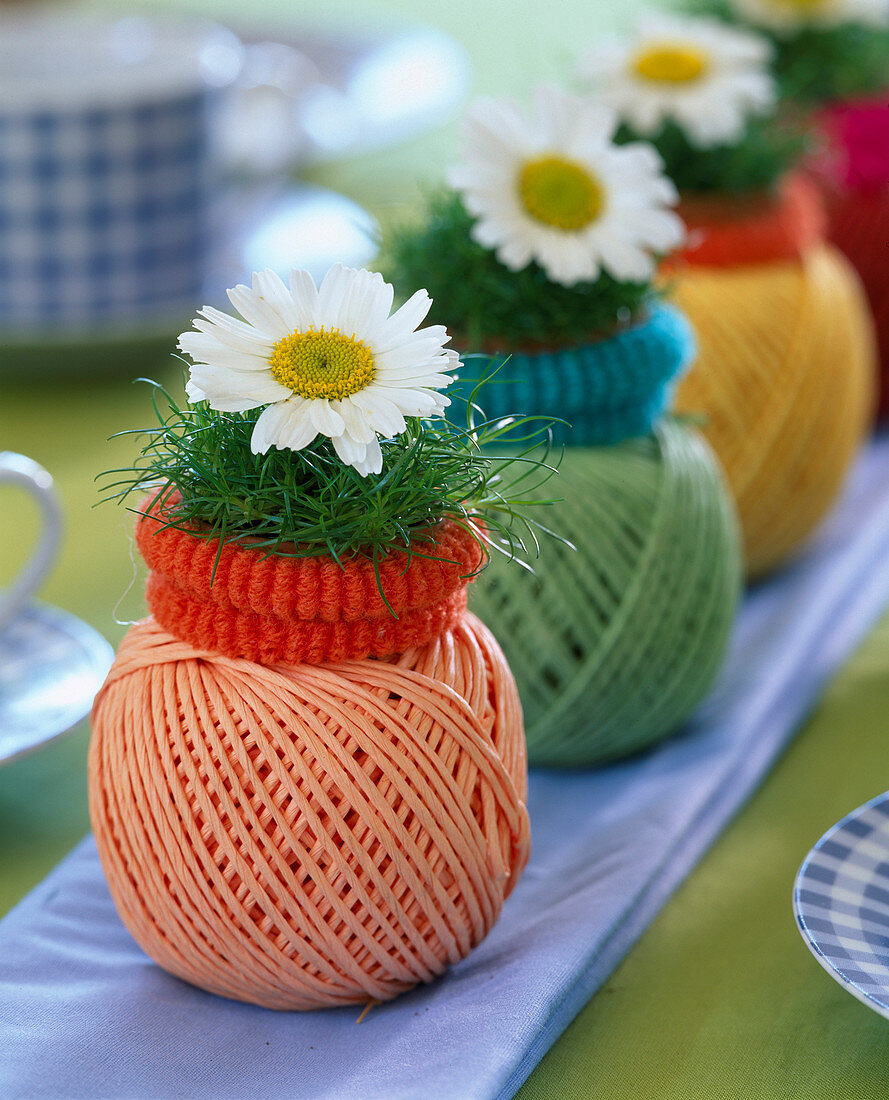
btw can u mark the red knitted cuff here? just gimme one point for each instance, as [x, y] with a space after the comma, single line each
[279, 610]
[725, 231]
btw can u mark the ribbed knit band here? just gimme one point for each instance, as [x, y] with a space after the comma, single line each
[607, 391]
[724, 230]
[280, 610]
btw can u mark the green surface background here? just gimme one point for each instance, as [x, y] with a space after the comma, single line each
[720, 998]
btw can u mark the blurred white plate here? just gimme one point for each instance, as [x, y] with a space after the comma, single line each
[285, 226]
[310, 97]
[51, 666]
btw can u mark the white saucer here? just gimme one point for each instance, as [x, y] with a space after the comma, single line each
[283, 226]
[306, 96]
[51, 666]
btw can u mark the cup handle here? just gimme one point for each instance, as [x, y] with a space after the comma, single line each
[16, 469]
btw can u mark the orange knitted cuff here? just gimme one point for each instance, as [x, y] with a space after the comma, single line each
[724, 231]
[279, 610]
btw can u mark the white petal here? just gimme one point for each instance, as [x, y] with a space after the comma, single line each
[358, 427]
[626, 262]
[277, 299]
[333, 290]
[305, 299]
[204, 348]
[412, 352]
[350, 450]
[325, 418]
[562, 116]
[497, 124]
[254, 344]
[516, 254]
[419, 378]
[364, 307]
[256, 312]
[210, 319]
[273, 422]
[415, 402]
[646, 112]
[567, 264]
[373, 459]
[379, 411]
[367, 458]
[194, 393]
[232, 391]
[298, 431]
[661, 230]
[409, 316]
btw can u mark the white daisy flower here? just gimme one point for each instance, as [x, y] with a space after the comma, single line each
[708, 78]
[328, 361]
[554, 188]
[787, 17]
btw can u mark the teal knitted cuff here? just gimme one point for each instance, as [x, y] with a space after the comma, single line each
[608, 391]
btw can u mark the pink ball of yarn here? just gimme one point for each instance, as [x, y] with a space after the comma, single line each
[306, 836]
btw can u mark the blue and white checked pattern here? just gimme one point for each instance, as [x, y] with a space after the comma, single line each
[841, 901]
[103, 214]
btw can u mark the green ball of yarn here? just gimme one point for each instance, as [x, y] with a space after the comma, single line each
[614, 643]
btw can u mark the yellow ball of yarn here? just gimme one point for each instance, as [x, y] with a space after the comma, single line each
[785, 377]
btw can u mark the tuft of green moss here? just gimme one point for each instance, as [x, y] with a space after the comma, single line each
[818, 65]
[198, 462]
[487, 306]
[768, 149]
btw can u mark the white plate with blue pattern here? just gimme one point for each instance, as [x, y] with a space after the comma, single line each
[841, 902]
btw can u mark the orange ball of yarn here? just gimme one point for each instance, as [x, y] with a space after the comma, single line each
[305, 836]
[785, 370]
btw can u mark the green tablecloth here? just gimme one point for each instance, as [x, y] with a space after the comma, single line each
[720, 998]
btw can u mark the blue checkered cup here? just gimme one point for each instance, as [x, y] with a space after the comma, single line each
[108, 172]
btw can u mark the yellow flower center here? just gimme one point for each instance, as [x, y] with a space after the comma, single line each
[560, 193]
[322, 364]
[670, 64]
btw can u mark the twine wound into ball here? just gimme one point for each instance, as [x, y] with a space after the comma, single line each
[785, 378]
[614, 645]
[306, 836]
